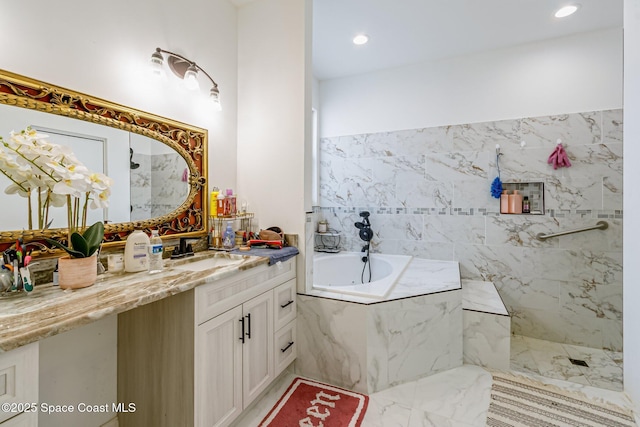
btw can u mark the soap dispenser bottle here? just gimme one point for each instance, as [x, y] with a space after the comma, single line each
[228, 240]
[136, 252]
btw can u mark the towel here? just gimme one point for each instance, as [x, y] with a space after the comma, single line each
[558, 158]
[274, 255]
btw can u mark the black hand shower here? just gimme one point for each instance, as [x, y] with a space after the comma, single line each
[365, 234]
[365, 227]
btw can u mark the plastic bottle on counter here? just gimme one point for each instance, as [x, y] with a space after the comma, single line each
[228, 240]
[136, 253]
[155, 253]
[220, 204]
[213, 201]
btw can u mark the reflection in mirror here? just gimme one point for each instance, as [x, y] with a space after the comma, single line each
[110, 138]
[159, 179]
[158, 187]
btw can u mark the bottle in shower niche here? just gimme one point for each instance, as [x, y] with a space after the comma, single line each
[155, 253]
[504, 202]
[136, 252]
[526, 205]
[515, 202]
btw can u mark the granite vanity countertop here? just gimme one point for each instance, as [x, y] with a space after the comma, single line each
[49, 310]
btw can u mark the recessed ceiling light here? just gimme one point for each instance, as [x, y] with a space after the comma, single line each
[360, 39]
[566, 11]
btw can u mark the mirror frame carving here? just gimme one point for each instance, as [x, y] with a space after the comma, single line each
[188, 220]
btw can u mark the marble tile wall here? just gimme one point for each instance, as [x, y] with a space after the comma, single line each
[168, 190]
[368, 348]
[157, 187]
[428, 194]
[141, 188]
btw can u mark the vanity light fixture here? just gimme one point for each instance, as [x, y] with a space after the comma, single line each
[565, 11]
[360, 39]
[184, 69]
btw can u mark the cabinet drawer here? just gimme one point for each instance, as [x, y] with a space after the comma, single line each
[286, 348]
[217, 297]
[19, 377]
[284, 304]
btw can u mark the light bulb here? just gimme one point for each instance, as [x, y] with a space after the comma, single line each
[157, 64]
[565, 11]
[214, 95]
[191, 78]
[360, 39]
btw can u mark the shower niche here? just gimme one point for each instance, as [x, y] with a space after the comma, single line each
[531, 191]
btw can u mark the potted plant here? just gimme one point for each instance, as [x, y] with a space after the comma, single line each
[33, 164]
[79, 268]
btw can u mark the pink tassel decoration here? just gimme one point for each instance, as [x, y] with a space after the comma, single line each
[558, 158]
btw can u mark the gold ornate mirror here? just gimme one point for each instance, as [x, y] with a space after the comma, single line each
[185, 151]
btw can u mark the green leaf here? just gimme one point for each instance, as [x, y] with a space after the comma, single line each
[79, 243]
[73, 253]
[93, 236]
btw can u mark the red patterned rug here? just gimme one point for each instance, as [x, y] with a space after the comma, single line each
[308, 403]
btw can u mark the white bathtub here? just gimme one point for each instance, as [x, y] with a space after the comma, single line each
[341, 273]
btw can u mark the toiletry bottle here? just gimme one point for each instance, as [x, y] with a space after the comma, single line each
[504, 202]
[228, 240]
[220, 204]
[55, 276]
[155, 253]
[526, 205]
[515, 202]
[136, 255]
[213, 202]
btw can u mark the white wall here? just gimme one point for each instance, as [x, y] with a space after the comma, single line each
[274, 99]
[570, 74]
[631, 197]
[103, 49]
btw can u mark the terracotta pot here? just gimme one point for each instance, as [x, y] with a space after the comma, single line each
[76, 273]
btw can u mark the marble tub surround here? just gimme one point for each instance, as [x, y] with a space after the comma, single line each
[420, 277]
[367, 345]
[486, 334]
[48, 310]
[428, 194]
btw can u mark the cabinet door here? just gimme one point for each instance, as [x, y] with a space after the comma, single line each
[19, 377]
[29, 419]
[218, 376]
[258, 346]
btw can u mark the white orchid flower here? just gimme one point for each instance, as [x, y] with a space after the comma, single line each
[32, 162]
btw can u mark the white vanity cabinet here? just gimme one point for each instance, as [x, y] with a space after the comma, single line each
[234, 358]
[19, 386]
[203, 356]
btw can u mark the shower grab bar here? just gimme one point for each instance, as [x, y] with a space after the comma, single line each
[602, 225]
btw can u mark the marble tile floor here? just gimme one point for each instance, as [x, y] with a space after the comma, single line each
[460, 397]
[551, 360]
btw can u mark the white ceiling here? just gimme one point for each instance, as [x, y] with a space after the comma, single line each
[410, 31]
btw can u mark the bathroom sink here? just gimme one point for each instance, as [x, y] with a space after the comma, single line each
[201, 264]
